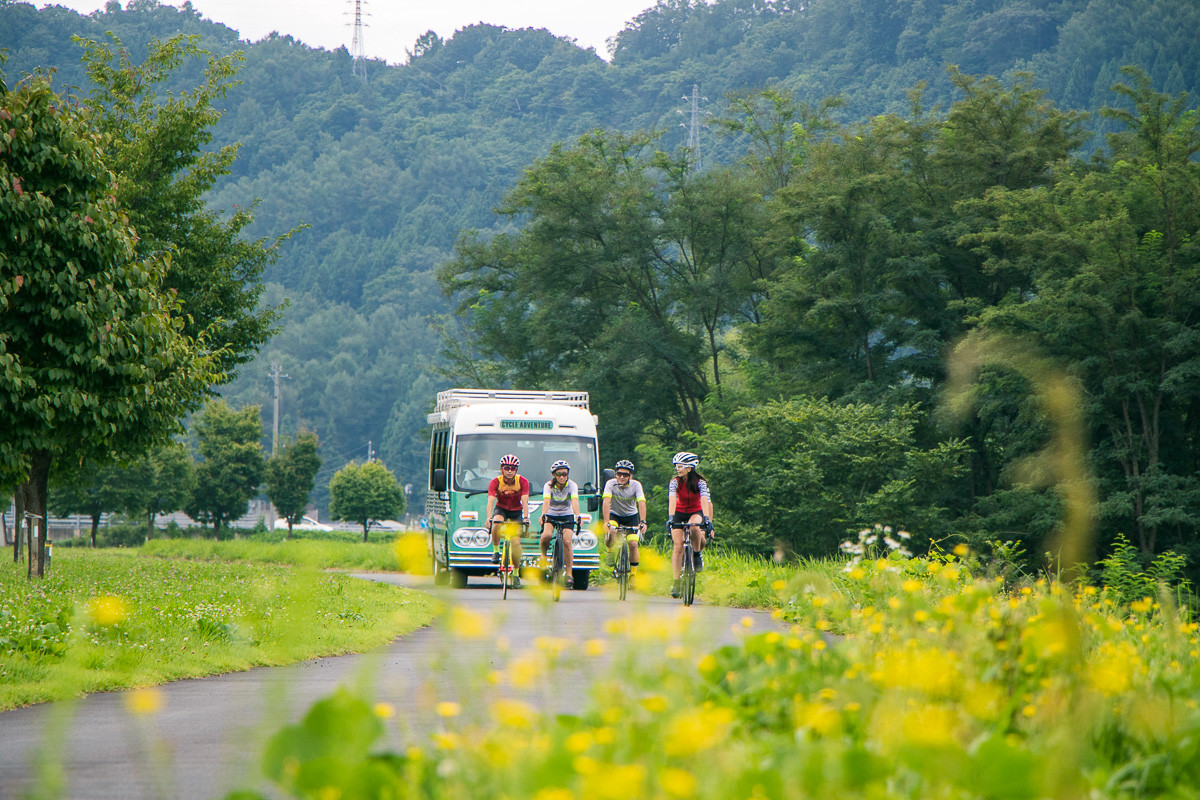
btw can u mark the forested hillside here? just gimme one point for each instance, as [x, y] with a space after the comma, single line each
[387, 174]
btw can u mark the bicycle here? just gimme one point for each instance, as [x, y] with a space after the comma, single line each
[558, 574]
[621, 570]
[687, 571]
[508, 571]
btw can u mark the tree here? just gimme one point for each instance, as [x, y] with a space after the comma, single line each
[93, 358]
[1112, 247]
[364, 492]
[96, 490]
[290, 474]
[232, 465]
[170, 478]
[159, 149]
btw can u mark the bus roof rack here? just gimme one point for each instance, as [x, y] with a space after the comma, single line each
[457, 398]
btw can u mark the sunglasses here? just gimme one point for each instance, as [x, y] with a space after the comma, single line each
[624, 474]
[561, 474]
[508, 469]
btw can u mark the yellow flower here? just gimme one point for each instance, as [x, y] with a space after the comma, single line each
[385, 710]
[961, 550]
[595, 647]
[554, 793]
[468, 624]
[448, 708]
[578, 742]
[911, 585]
[513, 713]
[446, 741]
[526, 669]
[145, 701]
[655, 703]
[1141, 606]
[615, 782]
[747, 622]
[677, 782]
[412, 553]
[697, 729]
[107, 610]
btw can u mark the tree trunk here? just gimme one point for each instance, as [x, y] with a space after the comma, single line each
[35, 498]
[18, 522]
[364, 532]
[95, 527]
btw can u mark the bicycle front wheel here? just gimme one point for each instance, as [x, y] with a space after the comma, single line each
[623, 570]
[688, 576]
[505, 569]
[558, 567]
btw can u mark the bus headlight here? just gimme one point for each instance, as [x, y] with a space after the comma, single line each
[472, 537]
[585, 540]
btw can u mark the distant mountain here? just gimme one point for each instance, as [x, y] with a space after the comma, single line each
[387, 173]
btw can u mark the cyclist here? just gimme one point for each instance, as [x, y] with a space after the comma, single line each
[560, 504]
[624, 504]
[508, 500]
[688, 501]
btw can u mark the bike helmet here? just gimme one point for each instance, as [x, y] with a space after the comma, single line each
[557, 465]
[686, 459]
[624, 464]
[510, 461]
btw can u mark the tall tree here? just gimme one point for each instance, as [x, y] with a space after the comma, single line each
[92, 354]
[365, 492]
[95, 490]
[1113, 249]
[160, 150]
[290, 474]
[170, 477]
[231, 467]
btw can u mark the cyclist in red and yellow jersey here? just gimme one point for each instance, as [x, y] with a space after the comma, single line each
[688, 502]
[508, 500]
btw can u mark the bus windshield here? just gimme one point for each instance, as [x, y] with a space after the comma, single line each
[477, 459]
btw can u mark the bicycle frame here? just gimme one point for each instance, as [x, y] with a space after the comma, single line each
[622, 567]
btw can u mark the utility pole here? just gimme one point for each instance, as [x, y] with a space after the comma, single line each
[358, 50]
[370, 452]
[276, 375]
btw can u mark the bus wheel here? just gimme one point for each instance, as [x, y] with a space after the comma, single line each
[581, 577]
[458, 578]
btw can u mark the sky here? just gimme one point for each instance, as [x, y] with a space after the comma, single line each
[393, 26]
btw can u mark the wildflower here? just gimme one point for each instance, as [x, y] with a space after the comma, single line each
[513, 713]
[677, 782]
[578, 742]
[448, 708]
[385, 710]
[697, 729]
[654, 703]
[107, 610]
[468, 624]
[554, 793]
[145, 701]
[961, 550]
[595, 647]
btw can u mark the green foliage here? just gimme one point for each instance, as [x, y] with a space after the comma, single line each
[34, 632]
[159, 150]
[1125, 573]
[364, 492]
[800, 475]
[289, 475]
[92, 355]
[232, 465]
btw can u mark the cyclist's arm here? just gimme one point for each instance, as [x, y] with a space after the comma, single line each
[491, 506]
[672, 500]
[604, 508]
[642, 511]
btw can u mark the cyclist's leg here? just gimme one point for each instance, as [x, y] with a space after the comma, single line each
[634, 559]
[547, 535]
[676, 552]
[569, 547]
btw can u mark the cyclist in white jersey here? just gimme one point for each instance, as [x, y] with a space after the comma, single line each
[624, 504]
[560, 503]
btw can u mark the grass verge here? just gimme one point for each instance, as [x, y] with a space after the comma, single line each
[103, 620]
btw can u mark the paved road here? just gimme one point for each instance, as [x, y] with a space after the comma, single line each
[207, 737]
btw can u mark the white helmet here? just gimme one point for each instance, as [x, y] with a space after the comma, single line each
[686, 459]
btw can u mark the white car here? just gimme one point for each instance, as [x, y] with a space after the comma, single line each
[305, 524]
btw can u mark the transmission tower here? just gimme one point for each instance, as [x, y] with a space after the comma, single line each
[693, 140]
[358, 50]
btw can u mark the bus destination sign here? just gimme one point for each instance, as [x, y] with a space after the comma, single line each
[526, 424]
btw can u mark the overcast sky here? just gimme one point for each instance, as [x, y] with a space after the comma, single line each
[392, 25]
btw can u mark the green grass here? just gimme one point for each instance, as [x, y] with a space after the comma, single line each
[347, 554]
[115, 619]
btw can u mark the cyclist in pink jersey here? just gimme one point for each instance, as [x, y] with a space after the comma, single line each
[688, 501]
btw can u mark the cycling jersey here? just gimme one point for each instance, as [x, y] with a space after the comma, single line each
[508, 494]
[687, 501]
[623, 501]
[556, 501]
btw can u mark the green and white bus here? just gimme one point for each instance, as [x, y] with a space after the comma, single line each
[472, 429]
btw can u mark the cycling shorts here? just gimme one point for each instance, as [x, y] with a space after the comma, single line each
[628, 520]
[516, 515]
[555, 519]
